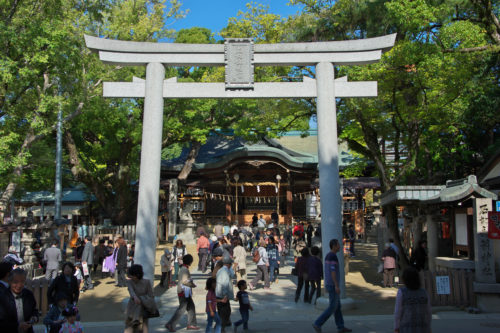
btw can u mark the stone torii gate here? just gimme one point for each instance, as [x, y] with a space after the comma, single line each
[239, 56]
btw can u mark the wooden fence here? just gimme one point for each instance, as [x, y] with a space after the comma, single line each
[461, 288]
[39, 287]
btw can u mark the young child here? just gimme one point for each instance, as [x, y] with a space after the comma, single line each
[78, 274]
[71, 325]
[242, 297]
[166, 268]
[211, 309]
[54, 318]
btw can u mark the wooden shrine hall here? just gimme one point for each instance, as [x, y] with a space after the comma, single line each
[232, 179]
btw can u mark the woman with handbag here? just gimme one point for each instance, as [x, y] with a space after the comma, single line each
[141, 305]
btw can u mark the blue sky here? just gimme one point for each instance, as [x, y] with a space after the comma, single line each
[214, 14]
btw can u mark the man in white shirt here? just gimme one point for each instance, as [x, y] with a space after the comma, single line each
[224, 291]
[261, 223]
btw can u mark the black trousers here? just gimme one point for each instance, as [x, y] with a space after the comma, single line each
[202, 263]
[165, 276]
[300, 284]
[315, 286]
[224, 310]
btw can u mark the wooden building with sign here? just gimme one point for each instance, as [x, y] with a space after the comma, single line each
[232, 179]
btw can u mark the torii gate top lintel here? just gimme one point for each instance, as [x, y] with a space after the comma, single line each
[359, 45]
[350, 52]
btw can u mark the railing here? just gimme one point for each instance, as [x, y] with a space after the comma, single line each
[461, 288]
[39, 287]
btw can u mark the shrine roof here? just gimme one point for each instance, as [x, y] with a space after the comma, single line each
[68, 195]
[453, 191]
[220, 150]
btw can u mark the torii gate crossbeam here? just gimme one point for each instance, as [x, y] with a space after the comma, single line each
[239, 56]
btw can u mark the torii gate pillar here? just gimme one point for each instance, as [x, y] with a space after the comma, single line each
[149, 177]
[328, 160]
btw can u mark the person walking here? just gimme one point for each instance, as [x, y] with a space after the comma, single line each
[389, 259]
[121, 263]
[332, 285]
[202, 248]
[141, 303]
[261, 223]
[224, 292]
[211, 308]
[240, 260]
[65, 284]
[274, 259]
[99, 255]
[218, 230]
[88, 260]
[166, 268]
[262, 266]
[412, 313]
[185, 287]
[178, 252]
[314, 273]
[419, 256]
[352, 239]
[52, 256]
[309, 233]
[244, 301]
[302, 271]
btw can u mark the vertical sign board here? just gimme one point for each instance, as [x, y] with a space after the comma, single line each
[238, 58]
[443, 285]
[484, 256]
[498, 206]
[494, 225]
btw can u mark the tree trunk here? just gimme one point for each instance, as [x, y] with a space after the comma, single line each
[391, 216]
[188, 165]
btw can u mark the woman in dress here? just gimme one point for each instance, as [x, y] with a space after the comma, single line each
[141, 301]
[240, 260]
[412, 313]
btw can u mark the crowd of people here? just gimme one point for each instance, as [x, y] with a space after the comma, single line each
[223, 258]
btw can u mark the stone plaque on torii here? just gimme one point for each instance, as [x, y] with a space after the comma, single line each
[239, 56]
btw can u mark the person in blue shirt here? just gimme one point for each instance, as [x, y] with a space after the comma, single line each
[274, 259]
[332, 285]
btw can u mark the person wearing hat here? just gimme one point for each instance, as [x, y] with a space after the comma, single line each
[217, 254]
[224, 291]
[12, 257]
[166, 268]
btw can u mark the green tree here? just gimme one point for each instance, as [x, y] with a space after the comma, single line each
[443, 65]
[45, 66]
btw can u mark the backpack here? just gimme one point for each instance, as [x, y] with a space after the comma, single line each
[256, 256]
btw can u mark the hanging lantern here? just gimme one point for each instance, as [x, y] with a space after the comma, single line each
[242, 188]
[258, 188]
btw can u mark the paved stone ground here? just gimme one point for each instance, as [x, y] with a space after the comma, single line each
[275, 310]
